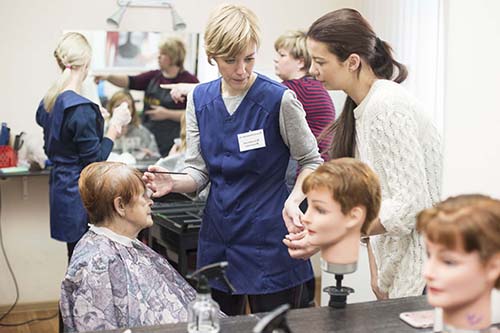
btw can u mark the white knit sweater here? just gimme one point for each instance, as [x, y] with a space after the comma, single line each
[394, 137]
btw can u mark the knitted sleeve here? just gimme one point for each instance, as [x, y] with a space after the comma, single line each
[398, 158]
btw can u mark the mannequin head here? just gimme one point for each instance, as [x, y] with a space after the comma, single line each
[462, 236]
[343, 197]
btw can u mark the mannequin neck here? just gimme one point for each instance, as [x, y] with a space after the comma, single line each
[344, 251]
[474, 316]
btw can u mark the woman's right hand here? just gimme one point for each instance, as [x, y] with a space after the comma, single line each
[121, 117]
[160, 183]
[292, 216]
[99, 78]
[179, 91]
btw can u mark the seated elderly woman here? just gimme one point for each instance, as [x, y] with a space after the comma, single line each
[113, 280]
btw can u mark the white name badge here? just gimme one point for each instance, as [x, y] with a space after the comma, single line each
[251, 140]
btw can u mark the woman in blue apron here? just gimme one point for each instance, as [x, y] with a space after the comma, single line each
[161, 114]
[73, 137]
[241, 130]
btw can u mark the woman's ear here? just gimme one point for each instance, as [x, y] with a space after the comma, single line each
[301, 64]
[119, 206]
[353, 62]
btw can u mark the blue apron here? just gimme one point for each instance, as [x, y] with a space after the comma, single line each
[242, 222]
[64, 127]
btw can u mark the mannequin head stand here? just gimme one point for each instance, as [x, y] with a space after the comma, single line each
[338, 293]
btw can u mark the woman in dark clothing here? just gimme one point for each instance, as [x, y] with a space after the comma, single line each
[161, 114]
[241, 131]
[73, 137]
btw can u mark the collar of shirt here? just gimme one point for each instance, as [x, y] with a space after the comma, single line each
[124, 240]
[358, 111]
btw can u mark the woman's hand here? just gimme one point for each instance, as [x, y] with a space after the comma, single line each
[292, 216]
[159, 183]
[298, 245]
[179, 91]
[149, 153]
[121, 117]
[374, 273]
[158, 112]
[99, 78]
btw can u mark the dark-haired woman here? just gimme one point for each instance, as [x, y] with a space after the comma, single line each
[383, 126]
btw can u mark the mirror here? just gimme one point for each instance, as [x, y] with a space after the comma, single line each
[130, 53]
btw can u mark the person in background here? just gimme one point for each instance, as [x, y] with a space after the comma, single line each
[115, 281]
[462, 238]
[135, 138]
[161, 114]
[385, 127]
[175, 159]
[73, 130]
[241, 130]
[179, 146]
[292, 65]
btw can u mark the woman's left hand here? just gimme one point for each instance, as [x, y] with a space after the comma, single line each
[299, 246]
[374, 273]
[158, 112]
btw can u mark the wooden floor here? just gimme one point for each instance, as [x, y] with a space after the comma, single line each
[52, 325]
[45, 326]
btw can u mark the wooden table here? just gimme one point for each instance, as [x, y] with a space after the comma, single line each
[379, 316]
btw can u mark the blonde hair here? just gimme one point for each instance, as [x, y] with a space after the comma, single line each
[470, 221]
[101, 182]
[295, 43]
[182, 135]
[352, 183]
[175, 49]
[116, 100]
[72, 51]
[230, 30]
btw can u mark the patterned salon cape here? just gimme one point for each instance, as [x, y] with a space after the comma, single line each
[115, 282]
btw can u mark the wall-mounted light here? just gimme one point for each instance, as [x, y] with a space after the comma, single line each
[115, 19]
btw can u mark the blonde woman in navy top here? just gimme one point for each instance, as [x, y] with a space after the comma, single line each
[241, 131]
[73, 131]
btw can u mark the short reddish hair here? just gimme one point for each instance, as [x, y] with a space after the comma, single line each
[101, 182]
[470, 221]
[352, 183]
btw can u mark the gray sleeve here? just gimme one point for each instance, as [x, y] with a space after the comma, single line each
[296, 133]
[195, 165]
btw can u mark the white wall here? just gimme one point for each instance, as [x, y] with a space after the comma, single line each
[28, 68]
[472, 103]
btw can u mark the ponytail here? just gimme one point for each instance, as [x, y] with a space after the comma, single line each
[383, 63]
[55, 89]
[343, 131]
[73, 51]
[344, 32]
